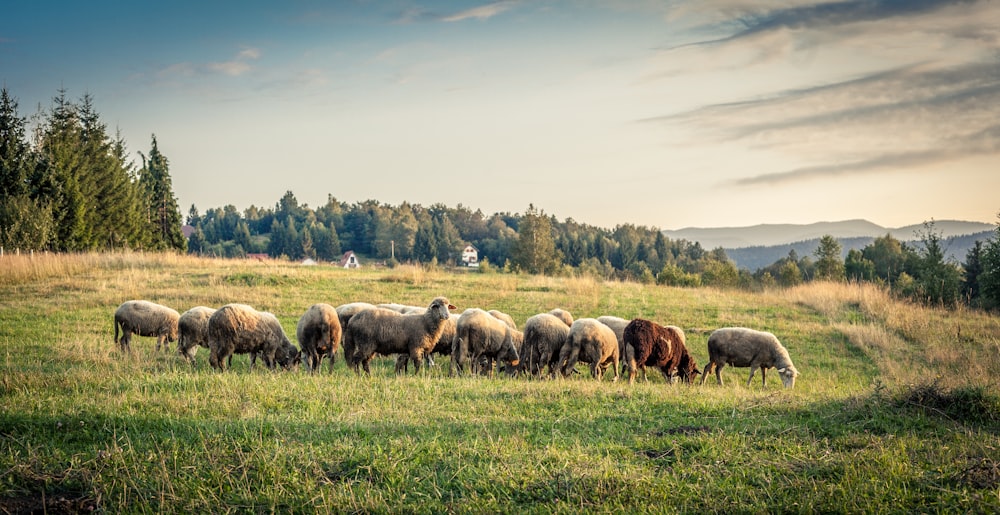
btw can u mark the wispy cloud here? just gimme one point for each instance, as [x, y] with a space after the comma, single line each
[482, 12]
[235, 67]
[753, 19]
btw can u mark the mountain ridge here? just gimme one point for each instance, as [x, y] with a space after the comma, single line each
[766, 235]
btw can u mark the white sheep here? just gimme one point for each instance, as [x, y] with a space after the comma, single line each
[482, 336]
[241, 329]
[743, 347]
[318, 332]
[145, 319]
[192, 331]
[592, 342]
[387, 332]
[544, 336]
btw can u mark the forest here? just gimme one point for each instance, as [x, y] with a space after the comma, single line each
[67, 185]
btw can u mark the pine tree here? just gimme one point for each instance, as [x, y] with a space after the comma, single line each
[989, 278]
[829, 266]
[163, 214]
[26, 222]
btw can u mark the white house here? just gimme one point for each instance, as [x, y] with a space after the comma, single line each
[470, 256]
[349, 260]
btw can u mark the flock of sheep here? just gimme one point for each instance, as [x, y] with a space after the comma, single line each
[481, 340]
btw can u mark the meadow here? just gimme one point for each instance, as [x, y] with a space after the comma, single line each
[896, 410]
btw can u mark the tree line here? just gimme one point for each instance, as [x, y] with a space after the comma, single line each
[68, 185]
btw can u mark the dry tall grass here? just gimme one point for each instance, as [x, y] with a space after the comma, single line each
[911, 343]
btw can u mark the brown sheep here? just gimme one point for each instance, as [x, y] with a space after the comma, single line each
[591, 342]
[318, 332]
[145, 318]
[240, 329]
[387, 332]
[648, 344]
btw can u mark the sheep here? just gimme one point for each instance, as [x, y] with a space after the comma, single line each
[240, 329]
[481, 335]
[318, 332]
[617, 324]
[442, 347]
[563, 315]
[592, 342]
[544, 336]
[650, 344]
[743, 347]
[403, 309]
[192, 331]
[145, 318]
[345, 312]
[387, 332]
[503, 317]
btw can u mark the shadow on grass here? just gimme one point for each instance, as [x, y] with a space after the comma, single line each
[57, 464]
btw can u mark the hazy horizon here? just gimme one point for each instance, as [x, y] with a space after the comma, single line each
[722, 113]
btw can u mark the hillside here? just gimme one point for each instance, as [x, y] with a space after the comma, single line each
[754, 258]
[766, 235]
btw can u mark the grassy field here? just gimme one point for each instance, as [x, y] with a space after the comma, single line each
[896, 409]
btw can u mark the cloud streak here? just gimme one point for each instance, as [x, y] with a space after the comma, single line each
[824, 15]
[482, 12]
[239, 65]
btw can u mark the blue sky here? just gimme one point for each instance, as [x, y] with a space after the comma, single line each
[668, 114]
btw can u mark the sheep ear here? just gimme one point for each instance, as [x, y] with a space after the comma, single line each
[782, 370]
[450, 307]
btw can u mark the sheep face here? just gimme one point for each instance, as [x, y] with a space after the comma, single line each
[439, 307]
[788, 375]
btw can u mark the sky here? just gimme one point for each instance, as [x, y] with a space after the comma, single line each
[711, 113]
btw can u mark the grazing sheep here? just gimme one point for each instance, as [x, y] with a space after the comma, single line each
[648, 344]
[192, 331]
[591, 342]
[479, 335]
[387, 332]
[503, 317]
[240, 329]
[318, 332]
[617, 324]
[681, 365]
[742, 347]
[145, 319]
[544, 336]
[563, 315]
[345, 312]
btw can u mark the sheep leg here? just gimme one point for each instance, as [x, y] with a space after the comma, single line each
[126, 341]
[763, 376]
[572, 357]
[708, 370]
[402, 364]
[753, 368]
[417, 356]
[365, 364]
[718, 372]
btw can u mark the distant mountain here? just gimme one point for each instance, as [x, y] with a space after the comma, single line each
[766, 235]
[754, 258]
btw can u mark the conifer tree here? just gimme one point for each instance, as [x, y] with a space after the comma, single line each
[164, 216]
[829, 266]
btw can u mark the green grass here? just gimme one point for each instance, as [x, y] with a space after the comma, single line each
[886, 416]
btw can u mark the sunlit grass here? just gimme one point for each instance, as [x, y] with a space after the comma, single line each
[147, 432]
